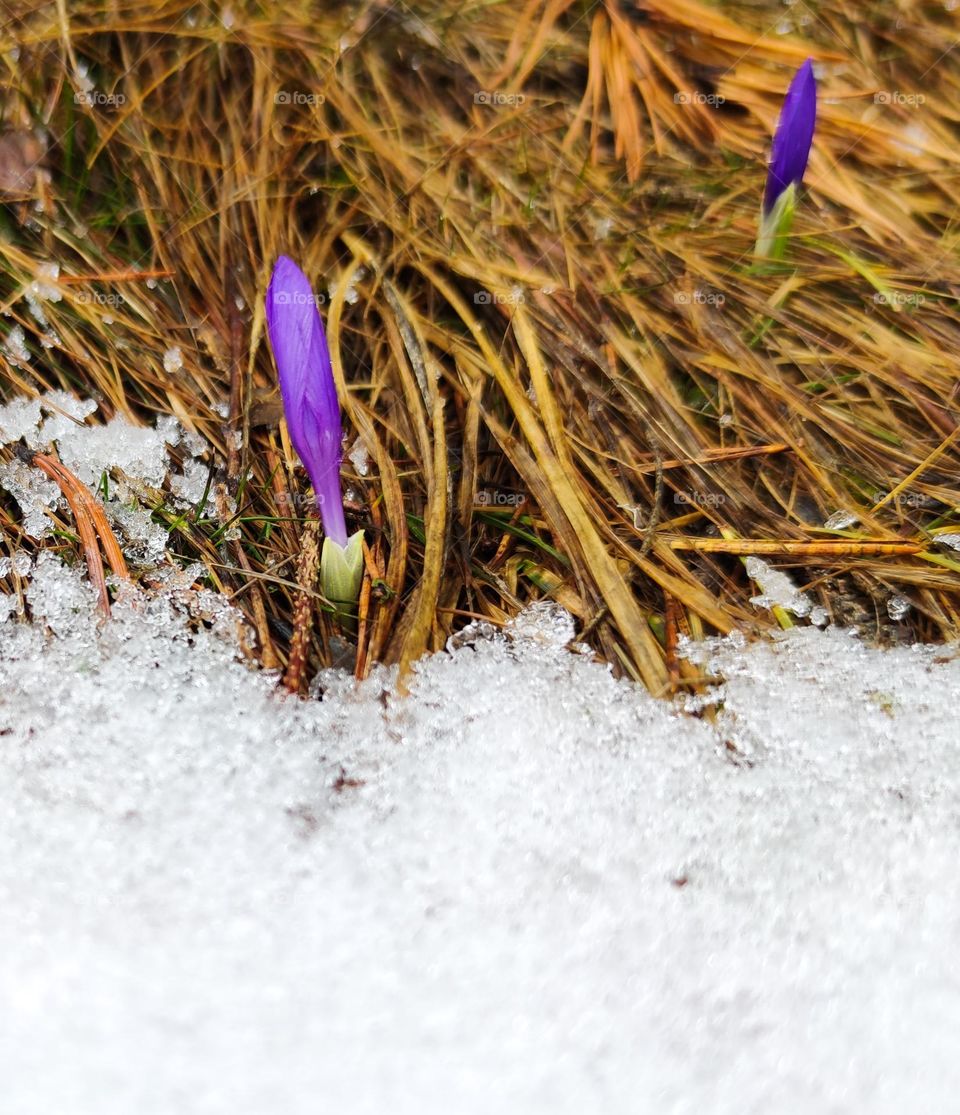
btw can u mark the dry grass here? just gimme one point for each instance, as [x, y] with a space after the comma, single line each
[556, 299]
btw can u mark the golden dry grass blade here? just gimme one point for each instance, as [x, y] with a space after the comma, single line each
[814, 551]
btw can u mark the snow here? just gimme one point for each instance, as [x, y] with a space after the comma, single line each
[139, 452]
[898, 606]
[351, 295]
[842, 519]
[359, 457]
[524, 887]
[15, 347]
[34, 493]
[173, 360]
[778, 591]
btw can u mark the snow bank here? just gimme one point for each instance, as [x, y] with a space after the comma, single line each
[525, 888]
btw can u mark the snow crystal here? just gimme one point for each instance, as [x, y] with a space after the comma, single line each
[170, 429]
[46, 286]
[777, 590]
[840, 520]
[65, 418]
[59, 597]
[21, 418]
[81, 77]
[173, 360]
[18, 419]
[34, 493]
[359, 457]
[90, 450]
[15, 346]
[898, 606]
[602, 227]
[350, 294]
[143, 541]
[189, 486]
[21, 563]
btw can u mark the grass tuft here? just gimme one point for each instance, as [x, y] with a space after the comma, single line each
[533, 224]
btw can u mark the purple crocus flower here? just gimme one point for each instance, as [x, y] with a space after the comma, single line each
[306, 384]
[793, 137]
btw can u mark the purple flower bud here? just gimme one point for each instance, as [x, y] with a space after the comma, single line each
[794, 134]
[306, 384]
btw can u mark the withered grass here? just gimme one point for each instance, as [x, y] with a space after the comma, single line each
[533, 223]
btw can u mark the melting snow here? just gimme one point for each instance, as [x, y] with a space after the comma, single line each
[359, 457]
[778, 591]
[898, 606]
[172, 360]
[840, 520]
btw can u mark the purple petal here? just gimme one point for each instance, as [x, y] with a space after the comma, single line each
[794, 135]
[306, 385]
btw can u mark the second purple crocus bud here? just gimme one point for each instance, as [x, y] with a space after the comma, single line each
[312, 411]
[791, 150]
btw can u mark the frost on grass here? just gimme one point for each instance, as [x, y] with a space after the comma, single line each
[527, 887]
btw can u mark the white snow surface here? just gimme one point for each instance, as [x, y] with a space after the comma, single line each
[525, 887]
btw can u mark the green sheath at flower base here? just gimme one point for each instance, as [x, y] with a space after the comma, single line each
[775, 226]
[341, 573]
